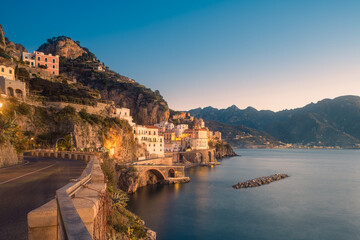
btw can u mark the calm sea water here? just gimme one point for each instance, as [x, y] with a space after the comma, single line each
[321, 199]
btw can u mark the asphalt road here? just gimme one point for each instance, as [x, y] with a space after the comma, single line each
[28, 186]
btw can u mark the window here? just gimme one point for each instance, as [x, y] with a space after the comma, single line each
[39, 64]
[54, 66]
[2, 69]
[45, 65]
[53, 60]
[38, 58]
[45, 59]
[53, 72]
[10, 71]
[32, 64]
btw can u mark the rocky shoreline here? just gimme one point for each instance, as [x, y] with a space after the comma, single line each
[256, 182]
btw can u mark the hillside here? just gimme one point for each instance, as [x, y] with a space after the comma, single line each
[244, 137]
[79, 64]
[330, 122]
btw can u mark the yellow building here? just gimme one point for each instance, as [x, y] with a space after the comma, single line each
[7, 72]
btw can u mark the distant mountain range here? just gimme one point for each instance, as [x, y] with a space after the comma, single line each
[329, 122]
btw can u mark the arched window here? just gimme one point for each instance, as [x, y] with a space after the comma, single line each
[10, 91]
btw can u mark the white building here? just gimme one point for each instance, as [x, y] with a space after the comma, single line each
[199, 139]
[124, 113]
[196, 139]
[179, 129]
[173, 146]
[164, 124]
[149, 136]
[29, 57]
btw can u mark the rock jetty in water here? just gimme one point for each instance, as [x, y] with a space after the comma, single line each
[256, 182]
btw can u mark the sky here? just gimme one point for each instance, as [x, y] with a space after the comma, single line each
[268, 54]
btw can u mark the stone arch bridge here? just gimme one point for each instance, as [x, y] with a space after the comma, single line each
[201, 157]
[162, 172]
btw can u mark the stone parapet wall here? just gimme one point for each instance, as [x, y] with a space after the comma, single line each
[100, 108]
[89, 202]
[156, 161]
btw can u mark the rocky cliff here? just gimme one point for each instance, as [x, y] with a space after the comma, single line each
[2, 38]
[223, 149]
[27, 127]
[62, 46]
[9, 48]
[8, 155]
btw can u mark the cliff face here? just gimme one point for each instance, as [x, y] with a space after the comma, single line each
[144, 110]
[10, 48]
[8, 155]
[62, 46]
[2, 38]
[223, 149]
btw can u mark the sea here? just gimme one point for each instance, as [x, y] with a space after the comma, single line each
[320, 199]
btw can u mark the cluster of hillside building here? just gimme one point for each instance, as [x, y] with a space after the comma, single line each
[188, 133]
[10, 86]
[47, 62]
[165, 137]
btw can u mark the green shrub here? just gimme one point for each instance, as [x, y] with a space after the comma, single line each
[23, 109]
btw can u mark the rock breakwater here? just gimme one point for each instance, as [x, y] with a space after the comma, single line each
[256, 182]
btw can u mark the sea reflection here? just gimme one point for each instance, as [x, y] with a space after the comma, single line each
[320, 199]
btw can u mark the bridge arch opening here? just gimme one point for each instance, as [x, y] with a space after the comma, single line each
[150, 176]
[171, 173]
[159, 175]
[199, 157]
[18, 93]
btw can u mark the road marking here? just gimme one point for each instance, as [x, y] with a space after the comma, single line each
[13, 179]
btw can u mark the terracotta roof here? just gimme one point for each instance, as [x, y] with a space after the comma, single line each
[188, 131]
[202, 129]
[153, 127]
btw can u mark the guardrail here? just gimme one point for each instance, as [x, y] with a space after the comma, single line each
[70, 225]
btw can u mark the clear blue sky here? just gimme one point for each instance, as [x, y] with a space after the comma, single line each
[269, 54]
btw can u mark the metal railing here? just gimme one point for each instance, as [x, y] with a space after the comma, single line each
[70, 224]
